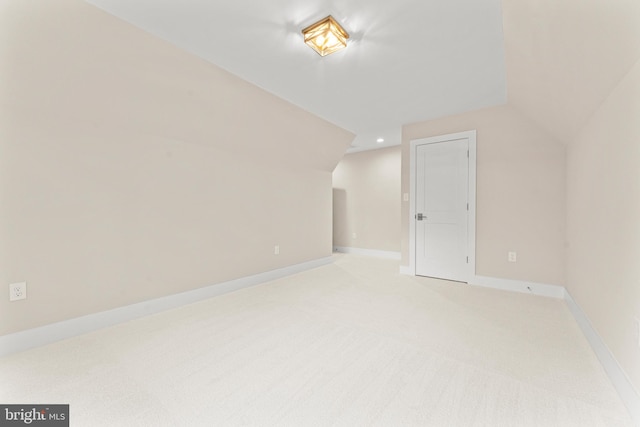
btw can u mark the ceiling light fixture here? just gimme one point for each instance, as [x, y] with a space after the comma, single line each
[325, 36]
[380, 140]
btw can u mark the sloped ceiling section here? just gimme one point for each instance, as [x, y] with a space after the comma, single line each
[407, 60]
[564, 57]
[70, 60]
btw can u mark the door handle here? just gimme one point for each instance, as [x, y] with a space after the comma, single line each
[420, 217]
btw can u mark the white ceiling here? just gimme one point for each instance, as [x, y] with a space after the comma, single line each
[407, 60]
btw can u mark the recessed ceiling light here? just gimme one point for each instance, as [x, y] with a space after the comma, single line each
[325, 36]
[380, 140]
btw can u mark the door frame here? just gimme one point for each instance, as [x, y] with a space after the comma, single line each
[471, 218]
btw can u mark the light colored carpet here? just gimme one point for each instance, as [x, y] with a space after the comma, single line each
[352, 343]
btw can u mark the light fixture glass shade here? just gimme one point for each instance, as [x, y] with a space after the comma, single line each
[325, 36]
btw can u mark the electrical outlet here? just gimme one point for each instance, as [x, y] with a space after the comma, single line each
[17, 291]
[512, 257]
[276, 250]
[355, 236]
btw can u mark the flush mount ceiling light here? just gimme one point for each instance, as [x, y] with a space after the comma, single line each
[325, 36]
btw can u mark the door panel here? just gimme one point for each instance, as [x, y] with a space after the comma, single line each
[442, 187]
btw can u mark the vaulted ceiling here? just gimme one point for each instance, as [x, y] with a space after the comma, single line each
[410, 60]
[407, 60]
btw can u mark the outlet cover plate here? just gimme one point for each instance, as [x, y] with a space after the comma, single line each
[17, 291]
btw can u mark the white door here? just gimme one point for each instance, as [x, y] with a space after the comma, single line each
[442, 209]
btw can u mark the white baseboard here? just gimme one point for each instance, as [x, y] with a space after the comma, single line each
[552, 291]
[47, 334]
[368, 252]
[619, 378]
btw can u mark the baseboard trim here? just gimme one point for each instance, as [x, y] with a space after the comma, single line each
[36, 337]
[619, 378]
[368, 252]
[540, 289]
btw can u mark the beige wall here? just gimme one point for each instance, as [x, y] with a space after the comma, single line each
[520, 193]
[366, 200]
[582, 85]
[563, 57]
[130, 170]
[603, 218]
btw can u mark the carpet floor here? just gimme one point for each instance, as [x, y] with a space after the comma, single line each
[352, 343]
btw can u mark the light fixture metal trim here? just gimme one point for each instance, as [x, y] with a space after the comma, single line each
[325, 36]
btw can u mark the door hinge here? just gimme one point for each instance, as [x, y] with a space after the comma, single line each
[467, 260]
[467, 206]
[467, 154]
